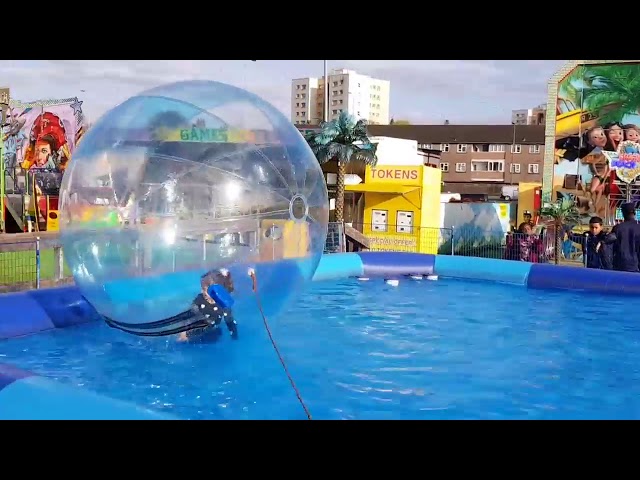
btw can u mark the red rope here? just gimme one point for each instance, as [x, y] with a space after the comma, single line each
[275, 347]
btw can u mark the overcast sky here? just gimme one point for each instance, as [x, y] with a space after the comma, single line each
[422, 91]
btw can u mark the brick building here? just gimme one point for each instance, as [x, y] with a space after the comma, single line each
[476, 159]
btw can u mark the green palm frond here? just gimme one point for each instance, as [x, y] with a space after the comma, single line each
[561, 212]
[343, 139]
[617, 85]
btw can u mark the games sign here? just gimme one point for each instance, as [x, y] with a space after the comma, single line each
[625, 161]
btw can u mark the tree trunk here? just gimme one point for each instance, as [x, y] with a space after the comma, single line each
[558, 243]
[340, 193]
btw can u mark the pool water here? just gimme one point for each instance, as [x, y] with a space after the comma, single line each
[364, 350]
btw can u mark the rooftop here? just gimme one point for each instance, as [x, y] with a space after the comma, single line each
[453, 134]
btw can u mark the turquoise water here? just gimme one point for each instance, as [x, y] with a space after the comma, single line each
[425, 350]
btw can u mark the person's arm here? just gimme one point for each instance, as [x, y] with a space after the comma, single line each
[577, 238]
[609, 238]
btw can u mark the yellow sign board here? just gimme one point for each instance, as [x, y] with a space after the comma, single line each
[53, 221]
[393, 243]
[394, 175]
[213, 135]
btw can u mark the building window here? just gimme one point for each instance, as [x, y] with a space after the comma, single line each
[487, 166]
[533, 168]
[514, 168]
[461, 167]
[444, 167]
[445, 147]
[462, 148]
[534, 149]
[516, 148]
[496, 148]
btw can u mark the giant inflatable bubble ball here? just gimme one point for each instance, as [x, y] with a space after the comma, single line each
[183, 180]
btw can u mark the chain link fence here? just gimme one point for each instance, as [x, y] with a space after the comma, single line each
[24, 265]
[466, 241]
[20, 266]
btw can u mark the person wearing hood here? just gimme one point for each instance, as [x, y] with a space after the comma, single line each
[626, 248]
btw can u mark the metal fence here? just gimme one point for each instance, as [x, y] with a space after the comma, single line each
[20, 265]
[466, 241]
[335, 238]
[25, 265]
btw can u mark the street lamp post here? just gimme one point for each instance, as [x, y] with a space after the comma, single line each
[513, 146]
[326, 93]
[3, 107]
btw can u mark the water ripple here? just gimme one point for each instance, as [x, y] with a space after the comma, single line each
[425, 350]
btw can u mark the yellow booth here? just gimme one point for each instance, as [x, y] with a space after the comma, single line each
[283, 239]
[529, 200]
[401, 208]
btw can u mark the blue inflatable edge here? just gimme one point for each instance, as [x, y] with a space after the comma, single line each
[24, 395]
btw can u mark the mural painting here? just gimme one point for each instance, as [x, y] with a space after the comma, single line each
[597, 138]
[40, 137]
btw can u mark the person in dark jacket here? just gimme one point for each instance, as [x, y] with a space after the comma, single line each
[626, 249]
[597, 245]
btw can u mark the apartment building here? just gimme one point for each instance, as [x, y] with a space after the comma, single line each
[478, 159]
[531, 116]
[360, 95]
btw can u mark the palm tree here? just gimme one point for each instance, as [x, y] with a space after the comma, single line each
[575, 85]
[613, 86]
[562, 212]
[344, 140]
[160, 123]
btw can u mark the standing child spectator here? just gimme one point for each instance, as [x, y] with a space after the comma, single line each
[529, 246]
[597, 245]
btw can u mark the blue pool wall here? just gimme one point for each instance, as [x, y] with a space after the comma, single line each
[24, 395]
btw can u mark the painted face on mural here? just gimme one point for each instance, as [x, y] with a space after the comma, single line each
[632, 135]
[616, 134]
[597, 138]
[44, 151]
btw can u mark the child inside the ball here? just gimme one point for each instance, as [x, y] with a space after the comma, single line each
[214, 303]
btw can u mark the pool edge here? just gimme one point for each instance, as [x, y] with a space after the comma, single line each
[24, 395]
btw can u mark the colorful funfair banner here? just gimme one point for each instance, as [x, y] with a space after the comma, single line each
[43, 134]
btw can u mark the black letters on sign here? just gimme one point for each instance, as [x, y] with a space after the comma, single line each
[394, 174]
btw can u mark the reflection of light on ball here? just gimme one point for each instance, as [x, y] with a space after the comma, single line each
[233, 190]
[183, 179]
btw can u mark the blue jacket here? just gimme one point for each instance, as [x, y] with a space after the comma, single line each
[599, 258]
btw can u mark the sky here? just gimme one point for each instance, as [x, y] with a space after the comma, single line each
[422, 91]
